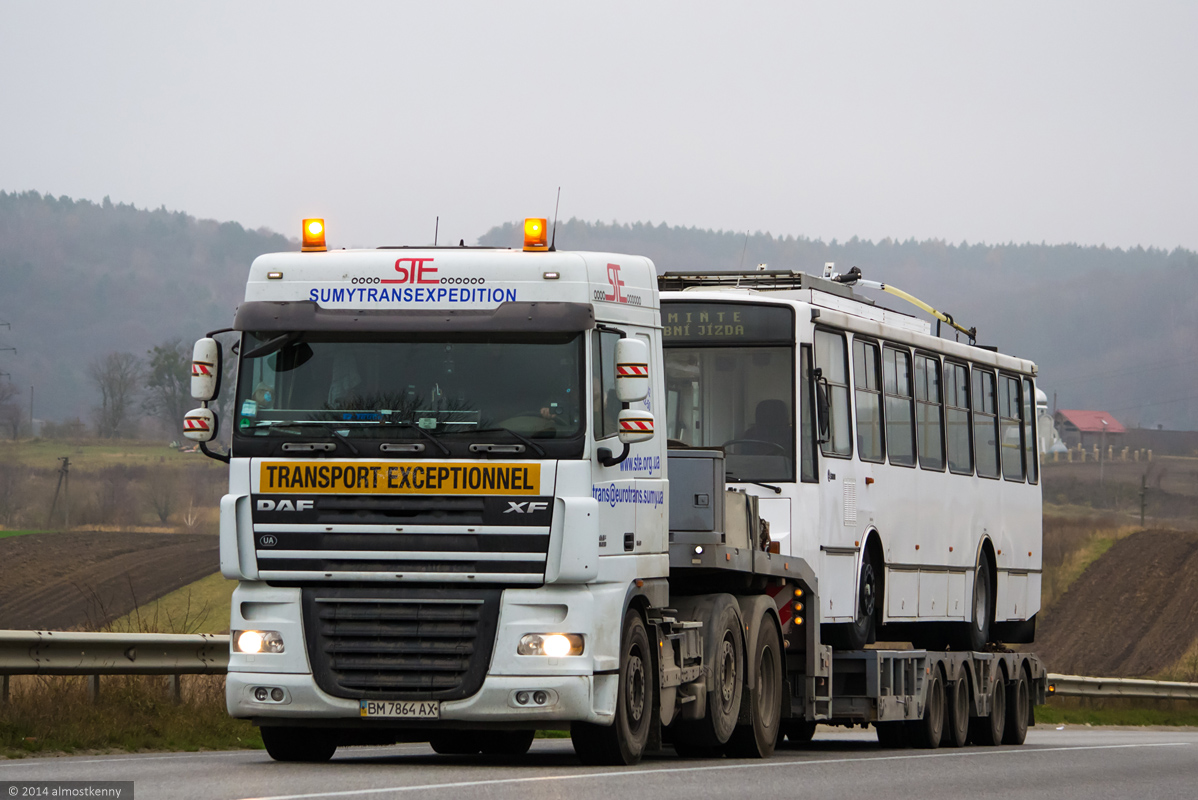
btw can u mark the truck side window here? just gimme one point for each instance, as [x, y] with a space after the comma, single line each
[605, 404]
[831, 356]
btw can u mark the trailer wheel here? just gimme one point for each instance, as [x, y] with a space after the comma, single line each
[988, 730]
[956, 727]
[623, 742]
[298, 744]
[759, 737]
[926, 732]
[892, 735]
[798, 732]
[724, 651]
[1019, 709]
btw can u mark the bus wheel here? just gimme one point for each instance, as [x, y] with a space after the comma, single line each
[926, 732]
[857, 634]
[988, 730]
[977, 630]
[298, 744]
[758, 738]
[1019, 709]
[623, 742]
[956, 725]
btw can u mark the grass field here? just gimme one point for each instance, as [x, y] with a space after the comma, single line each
[90, 454]
[200, 607]
[6, 534]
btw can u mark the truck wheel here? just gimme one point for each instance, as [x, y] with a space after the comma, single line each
[1019, 710]
[623, 742]
[926, 732]
[857, 634]
[723, 650]
[956, 725]
[298, 744]
[892, 735]
[988, 730]
[798, 732]
[456, 743]
[506, 743]
[759, 737]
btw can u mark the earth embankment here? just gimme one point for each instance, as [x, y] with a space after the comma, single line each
[84, 580]
[1132, 613]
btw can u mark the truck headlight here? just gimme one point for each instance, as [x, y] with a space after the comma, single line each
[257, 642]
[553, 645]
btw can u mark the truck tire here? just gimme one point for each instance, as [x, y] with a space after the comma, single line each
[926, 733]
[506, 743]
[298, 744]
[892, 735]
[988, 730]
[956, 718]
[857, 634]
[760, 736]
[1019, 709]
[798, 732]
[456, 743]
[723, 650]
[623, 742]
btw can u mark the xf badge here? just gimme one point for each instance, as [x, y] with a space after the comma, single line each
[527, 507]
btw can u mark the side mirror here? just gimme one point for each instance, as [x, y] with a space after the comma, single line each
[635, 426]
[205, 370]
[632, 371]
[200, 425]
[822, 407]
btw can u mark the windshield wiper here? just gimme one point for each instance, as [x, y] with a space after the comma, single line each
[273, 345]
[311, 423]
[730, 477]
[539, 450]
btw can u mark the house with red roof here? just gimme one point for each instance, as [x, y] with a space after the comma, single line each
[1088, 428]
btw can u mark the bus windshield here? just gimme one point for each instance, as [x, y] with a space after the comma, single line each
[409, 387]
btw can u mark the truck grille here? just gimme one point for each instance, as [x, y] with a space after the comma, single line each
[410, 645]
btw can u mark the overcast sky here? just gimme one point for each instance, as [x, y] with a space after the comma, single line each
[994, 122]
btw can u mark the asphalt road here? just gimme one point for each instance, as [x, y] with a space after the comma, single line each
[1069, 764]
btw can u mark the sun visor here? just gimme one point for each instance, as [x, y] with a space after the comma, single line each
[305, 315]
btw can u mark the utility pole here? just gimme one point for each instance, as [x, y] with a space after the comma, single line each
[1143, 497]
[1102, 454]
[64, 477]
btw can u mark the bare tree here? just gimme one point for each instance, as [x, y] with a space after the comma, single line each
[168, 382]
[10, 412]
[117, 376]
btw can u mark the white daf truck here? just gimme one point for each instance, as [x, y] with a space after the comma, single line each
[479, 492]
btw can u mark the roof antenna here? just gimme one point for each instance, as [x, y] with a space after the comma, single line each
[553, 237]
[436, 230]
[742, 252]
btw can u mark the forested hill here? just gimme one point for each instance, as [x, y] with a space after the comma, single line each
[80, 279]
[1110, 328]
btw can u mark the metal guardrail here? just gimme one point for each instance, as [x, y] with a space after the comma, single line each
[1080, 686]
[70, 653]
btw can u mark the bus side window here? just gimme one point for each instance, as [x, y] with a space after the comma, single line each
[1029, 431]
[900, 416]
[956, 394]
[1011, 428]
[929, 412]
[867, 384]
[831, 356]
[985, 424]
[807, 422]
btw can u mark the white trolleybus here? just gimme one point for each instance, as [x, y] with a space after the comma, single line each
[475, 493]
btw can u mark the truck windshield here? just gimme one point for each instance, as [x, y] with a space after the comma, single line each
[406, 387]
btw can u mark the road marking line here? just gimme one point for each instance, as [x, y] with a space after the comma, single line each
[66, 761]
[671, 770]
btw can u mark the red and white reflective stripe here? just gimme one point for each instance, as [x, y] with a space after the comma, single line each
[781, 596]
[632, 370]
[195, 424]
[199, 368]
[637, 425]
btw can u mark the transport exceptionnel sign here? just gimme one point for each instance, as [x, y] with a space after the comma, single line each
[390, 477]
